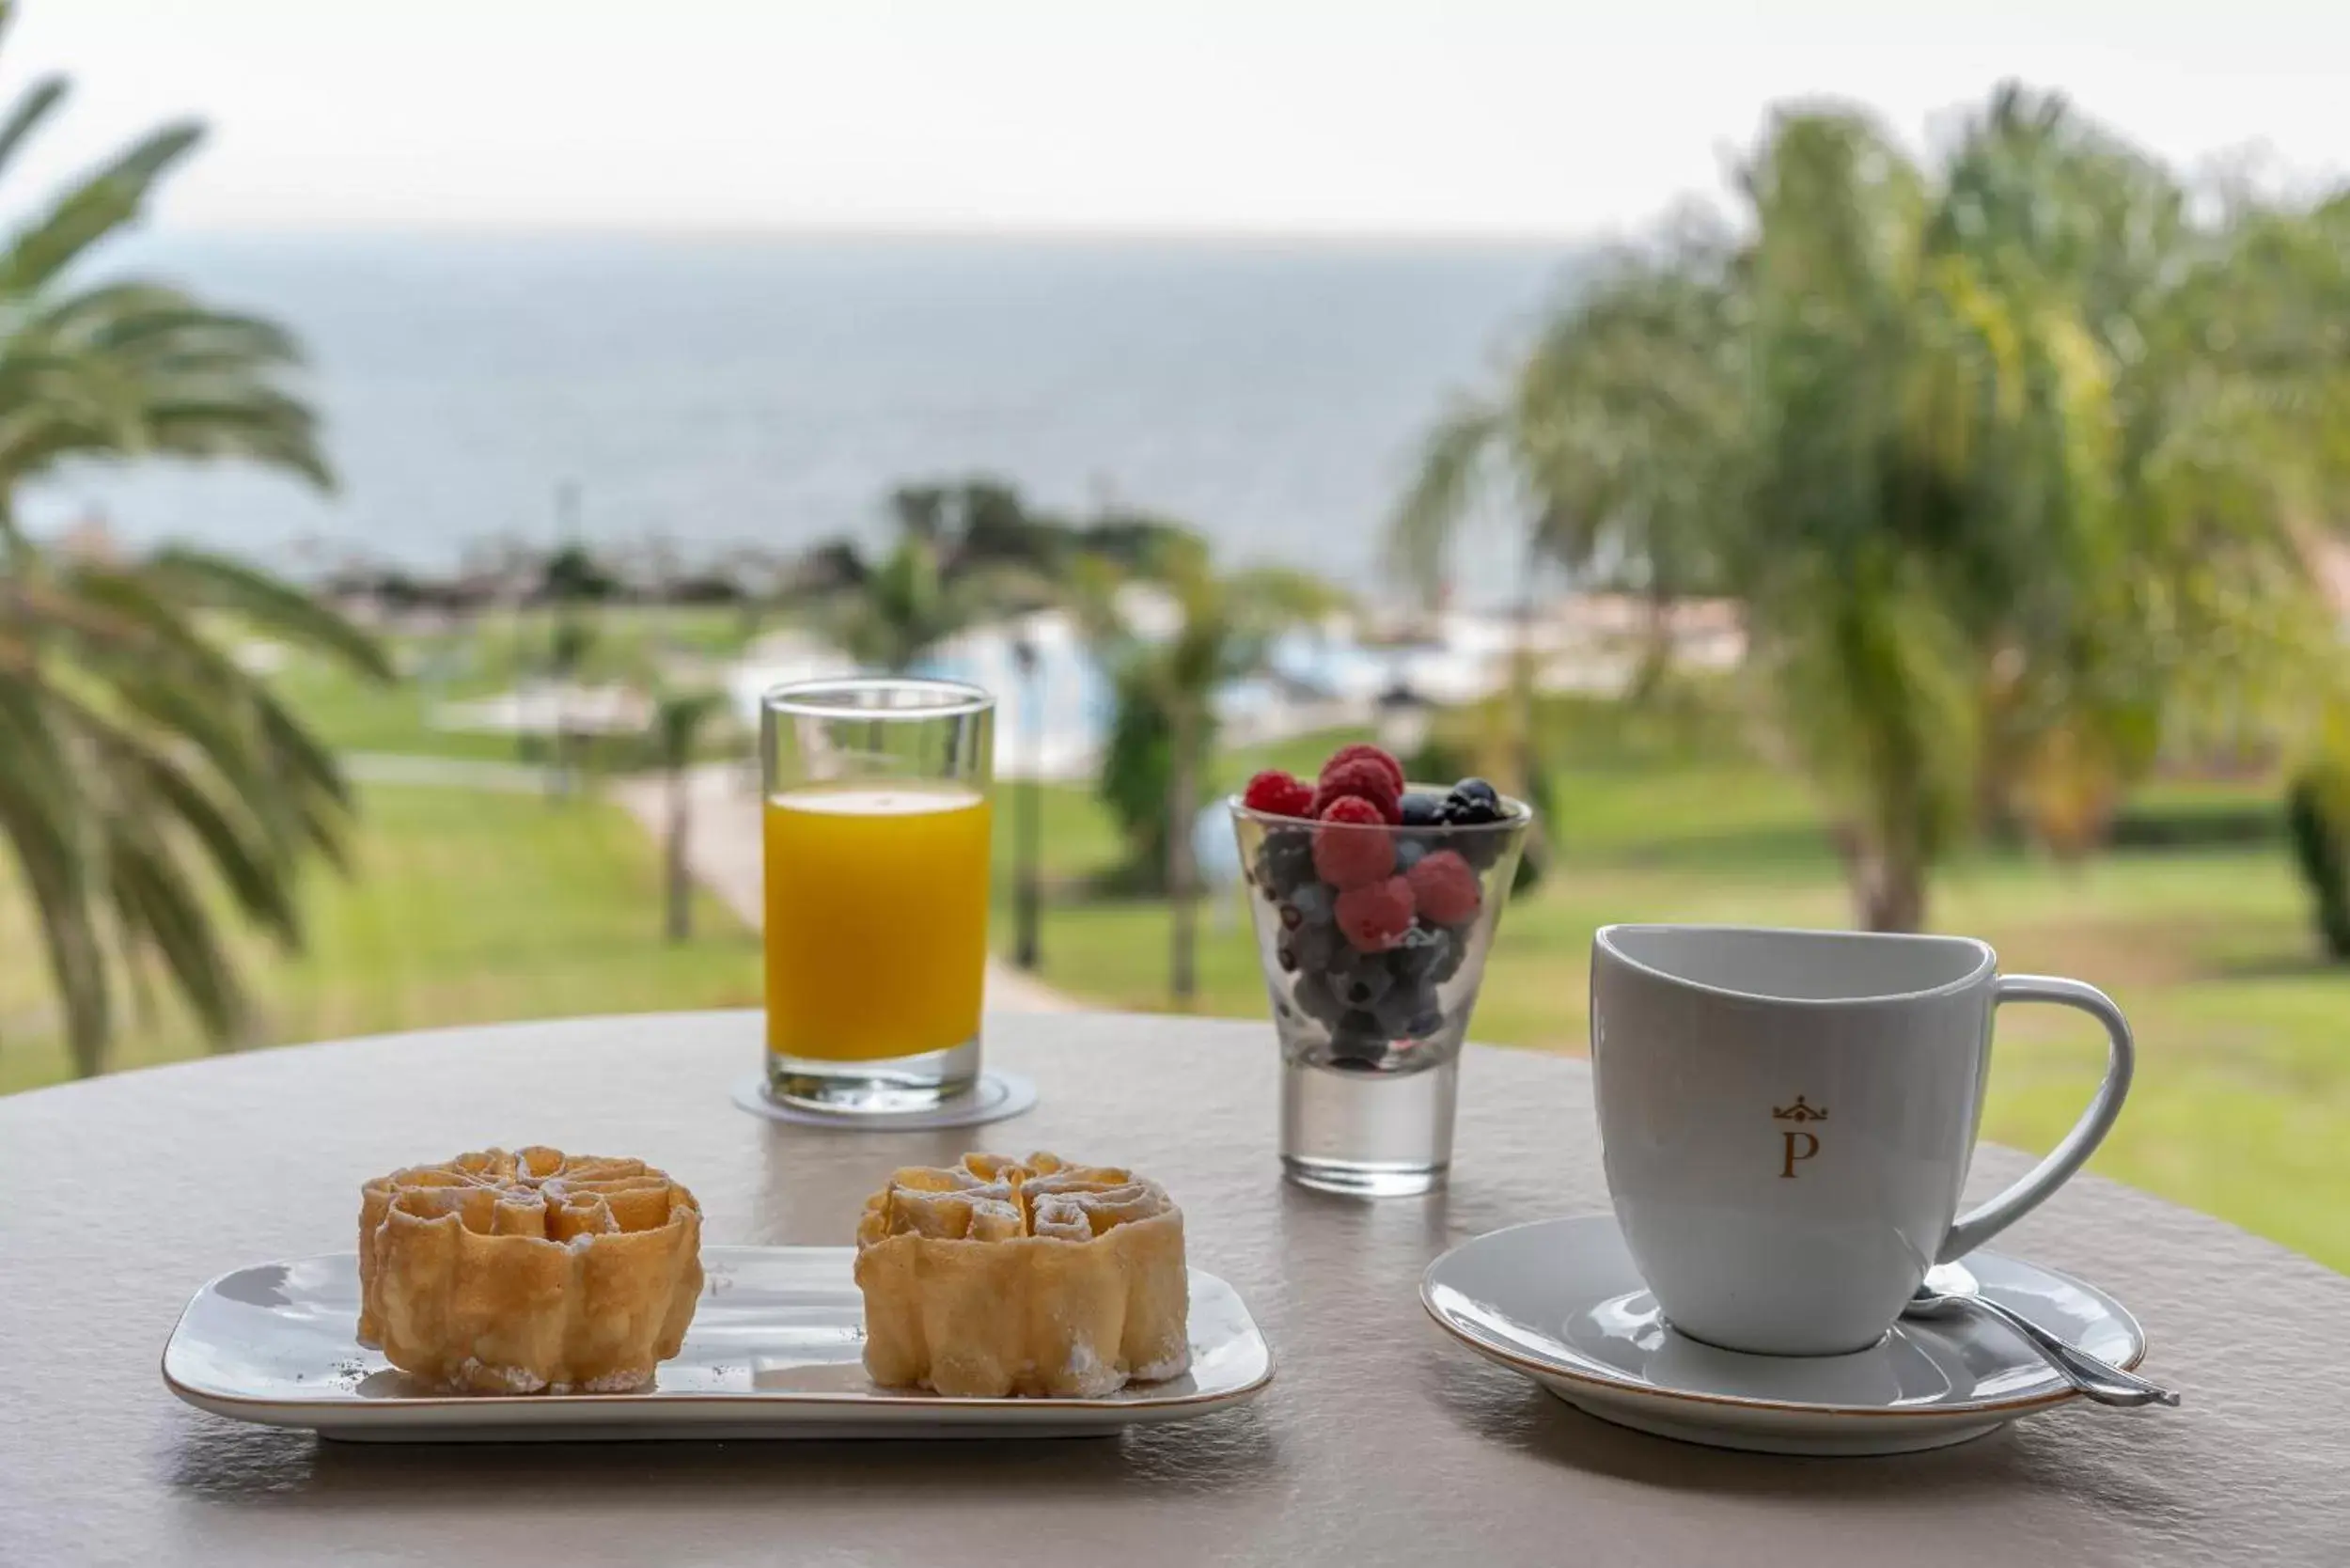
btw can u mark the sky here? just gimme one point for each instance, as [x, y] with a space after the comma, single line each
[1426, 118]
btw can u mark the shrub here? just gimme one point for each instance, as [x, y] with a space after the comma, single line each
[2320, 831]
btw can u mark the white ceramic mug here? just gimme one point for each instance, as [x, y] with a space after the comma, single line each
[1787, 1118]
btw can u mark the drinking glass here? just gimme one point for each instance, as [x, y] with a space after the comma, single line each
[877, 823]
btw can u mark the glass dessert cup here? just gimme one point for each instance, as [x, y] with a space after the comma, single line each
[1371, 1012]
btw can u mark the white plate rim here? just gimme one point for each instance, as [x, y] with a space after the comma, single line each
[1626, 1388]
[901, 1407]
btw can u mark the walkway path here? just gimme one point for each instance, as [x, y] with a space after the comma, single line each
[388, 767]
[724, 854]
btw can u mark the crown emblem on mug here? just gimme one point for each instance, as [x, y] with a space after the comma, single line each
[1800, 1111]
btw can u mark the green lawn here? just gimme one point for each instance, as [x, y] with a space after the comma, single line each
[352, 714]
[463, 907]
[2242, 1102]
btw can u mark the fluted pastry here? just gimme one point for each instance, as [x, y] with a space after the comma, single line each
[995, 1277]
[529, 1272]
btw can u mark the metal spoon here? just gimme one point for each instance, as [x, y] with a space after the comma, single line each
[1950, 1289]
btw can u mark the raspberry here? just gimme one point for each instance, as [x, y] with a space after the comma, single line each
[1356, 811]
[1278, 794]
[1363, 751]
[1360, 779]
[1355, 848]
[1374, 916]
[1445, 888]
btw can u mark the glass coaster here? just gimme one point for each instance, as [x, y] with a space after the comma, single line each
[996, 1097]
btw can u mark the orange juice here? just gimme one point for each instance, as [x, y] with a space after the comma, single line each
[876, 920]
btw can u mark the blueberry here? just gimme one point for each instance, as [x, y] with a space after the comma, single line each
[1357, 1040]
[1285, 862]
[1312, 945]
[1471, 813]
[1409, 851]
[1478, 790]
[1364, 983]
[1422, 810]
[1313, 996]
[1410, 1011]
[1472, 802]
[1480, 849]
[1423, 950]
[1455, 953]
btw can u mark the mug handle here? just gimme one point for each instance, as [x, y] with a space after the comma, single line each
[1971, 1230]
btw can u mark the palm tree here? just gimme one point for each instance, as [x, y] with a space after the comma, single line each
[963, 552]
[1225, 624]
[680, 720]
[135, 754]
[2008, 461]
[570, 649]
[902, 609]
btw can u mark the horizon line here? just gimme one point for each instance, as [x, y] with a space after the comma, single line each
[1077, 234]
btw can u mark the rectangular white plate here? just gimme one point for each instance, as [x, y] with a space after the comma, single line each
[775, 1350]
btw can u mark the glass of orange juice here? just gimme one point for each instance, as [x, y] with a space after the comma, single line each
[877, 820]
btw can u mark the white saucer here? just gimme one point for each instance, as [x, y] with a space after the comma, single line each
[1559, 1301]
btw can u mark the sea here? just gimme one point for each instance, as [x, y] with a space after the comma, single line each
[701, 394]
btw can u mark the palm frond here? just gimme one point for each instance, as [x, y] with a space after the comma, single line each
[1278, 596]
[253, 424]
[146, 780]
[161, 911]
[40, 794]
[146, 618]
[268, 606]
[108, 197]
[1441, 496]
[33, 106]
[131, 369]
[162, 328]
[1090, 593]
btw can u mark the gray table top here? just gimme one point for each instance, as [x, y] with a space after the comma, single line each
[1379, 1442]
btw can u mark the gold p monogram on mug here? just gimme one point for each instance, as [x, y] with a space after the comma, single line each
[1801, 1143]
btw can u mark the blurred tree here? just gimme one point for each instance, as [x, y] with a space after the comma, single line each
[569, 648]
[572, 575]
[135, 753]
[961, 553]
[681, 723]
[1137, 767]
[901, 609]
[2317, 816]
[2009, 462]
[2317, 825]
[1162, 735]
